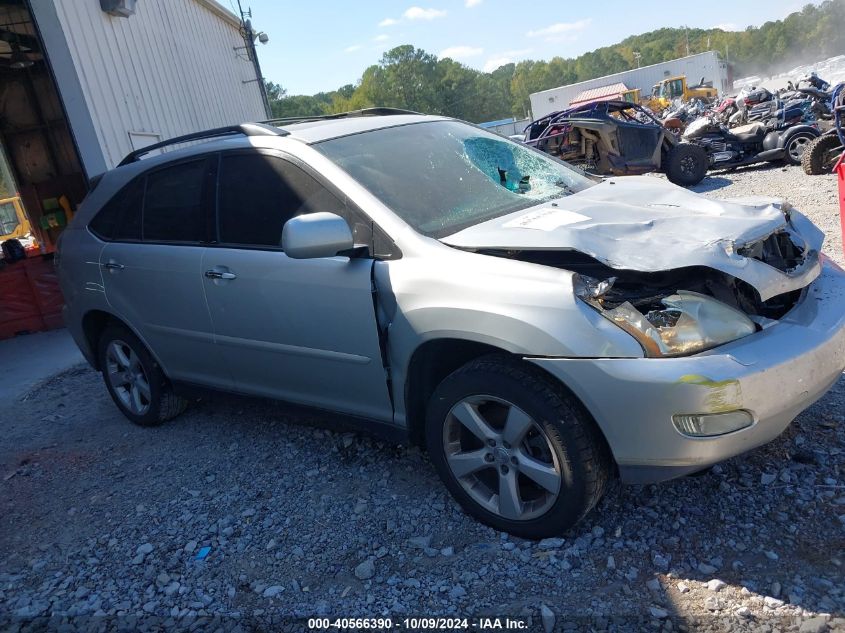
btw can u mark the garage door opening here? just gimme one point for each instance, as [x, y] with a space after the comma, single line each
[41, 178]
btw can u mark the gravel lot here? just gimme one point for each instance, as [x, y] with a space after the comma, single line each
[104, 525]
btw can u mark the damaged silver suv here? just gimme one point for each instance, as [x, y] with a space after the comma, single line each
[537, 331]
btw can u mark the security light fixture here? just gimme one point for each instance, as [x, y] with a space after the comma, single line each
[118, 8]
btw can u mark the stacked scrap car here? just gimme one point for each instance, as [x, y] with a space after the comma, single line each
[617, 138]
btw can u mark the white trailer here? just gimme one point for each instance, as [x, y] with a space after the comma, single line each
[708, 65]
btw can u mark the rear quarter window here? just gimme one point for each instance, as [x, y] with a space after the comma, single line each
[120, 218]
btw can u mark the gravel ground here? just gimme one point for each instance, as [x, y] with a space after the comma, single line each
[246, 514]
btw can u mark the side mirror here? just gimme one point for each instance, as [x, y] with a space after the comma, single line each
[316, 235]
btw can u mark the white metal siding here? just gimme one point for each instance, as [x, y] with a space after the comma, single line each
[170, 69]
[695, 67]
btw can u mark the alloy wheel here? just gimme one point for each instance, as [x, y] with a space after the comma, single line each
[127, 377]
[501, 457]
[797, 146]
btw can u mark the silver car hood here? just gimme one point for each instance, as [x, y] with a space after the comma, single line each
[648, 224]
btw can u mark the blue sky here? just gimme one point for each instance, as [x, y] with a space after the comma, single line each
[322, 45]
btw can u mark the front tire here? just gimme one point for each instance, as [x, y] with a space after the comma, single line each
[517, 452]
[134, 379]
[686, 164]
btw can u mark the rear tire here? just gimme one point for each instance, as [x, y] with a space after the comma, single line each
[820, 155]
[134, 379]
[543, 465]
[686, 164]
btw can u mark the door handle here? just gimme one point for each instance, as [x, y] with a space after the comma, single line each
[113, 265]
[217, 274]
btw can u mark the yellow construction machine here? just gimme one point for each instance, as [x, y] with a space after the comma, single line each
[671, 88]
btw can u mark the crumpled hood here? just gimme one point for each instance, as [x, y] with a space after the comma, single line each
[647, 224]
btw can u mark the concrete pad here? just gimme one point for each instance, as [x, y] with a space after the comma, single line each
[28, 360]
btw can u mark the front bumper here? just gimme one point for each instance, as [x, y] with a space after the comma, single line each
[774, 374]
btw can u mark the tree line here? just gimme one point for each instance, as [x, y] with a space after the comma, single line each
[410, 78]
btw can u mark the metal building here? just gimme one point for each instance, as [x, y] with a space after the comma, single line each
[708, 65]
[506, 127]
[84, 82]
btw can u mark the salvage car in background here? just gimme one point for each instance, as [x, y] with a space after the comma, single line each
[618, 138]
[749, 144]
[538, 331]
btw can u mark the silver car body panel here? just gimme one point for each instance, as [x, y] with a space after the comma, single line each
[774, 374]
[142, 292]
[648, 224]
[518, 307]
[314, 339]
[299, 330]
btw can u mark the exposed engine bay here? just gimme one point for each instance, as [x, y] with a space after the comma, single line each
[644, 290]
[655, 306]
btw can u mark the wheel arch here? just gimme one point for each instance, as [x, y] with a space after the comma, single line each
[435, 359]
[429, 364]
[95, 322]
[798, 129]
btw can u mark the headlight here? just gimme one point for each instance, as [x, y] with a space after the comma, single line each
[689, 323]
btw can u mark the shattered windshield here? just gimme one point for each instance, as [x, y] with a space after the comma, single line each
[443, 176]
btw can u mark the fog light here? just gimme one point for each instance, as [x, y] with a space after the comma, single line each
[712, 424]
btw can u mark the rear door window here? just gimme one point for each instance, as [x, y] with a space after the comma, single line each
[173, 203]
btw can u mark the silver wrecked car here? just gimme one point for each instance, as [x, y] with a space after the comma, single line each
[538, 331]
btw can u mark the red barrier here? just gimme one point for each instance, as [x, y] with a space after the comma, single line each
[18, 311]
[45, 287]
[30, 298]
[840, 176]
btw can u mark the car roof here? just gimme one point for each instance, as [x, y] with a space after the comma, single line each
[305, 131]
[325, 129]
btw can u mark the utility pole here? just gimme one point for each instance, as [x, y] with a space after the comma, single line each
[637, 56]
[686, 34]
[249, 39]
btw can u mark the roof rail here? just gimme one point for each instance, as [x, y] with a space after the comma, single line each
[379, 111]
[246, 129]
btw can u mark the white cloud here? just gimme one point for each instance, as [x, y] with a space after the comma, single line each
[560, 30]
[418, 13]
[381, 38]
[728, 26]
[460, 52]
[472, 3]
[353, 48]
[503, 58]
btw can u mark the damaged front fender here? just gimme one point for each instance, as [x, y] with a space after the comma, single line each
[645, 224]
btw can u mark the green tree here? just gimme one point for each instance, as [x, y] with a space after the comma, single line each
[409, 77]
